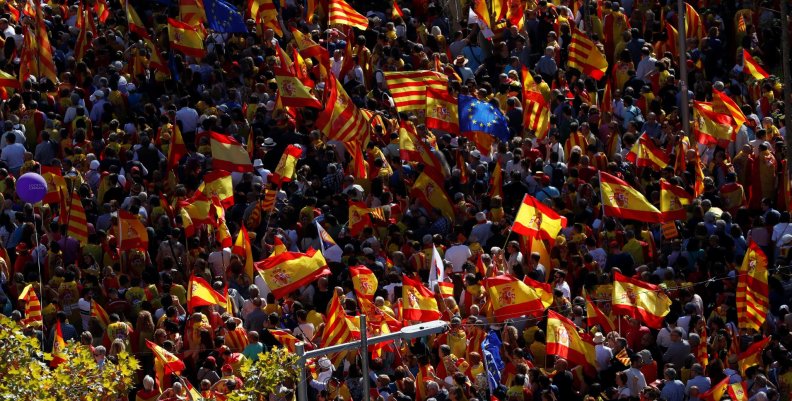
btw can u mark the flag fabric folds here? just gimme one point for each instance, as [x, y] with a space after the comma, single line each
[544, 290]
[200, 293]
[132, 233]
[228, 154]
[535, 219]
[100, 314]
[585, 56]
[753, 355]
[289, 271]
[412, 148]
[623, 201]
[177, 148]
[477, 117]
[408, 88]
[58, 346]
[710, 126]
[364, 281]
[429, 189]
[287, 165]
[56, 184]
[752, 68]
[185, 38]
[78, 223]
[359, 217]
[243, 248]
[32, 306]
[694, 26]
[286, 339]
[341, 120]
[723, 104]
[330, 250]
[192, 12]
[673, 201]
[752, 289]
[419, 302]
[512, 298]
[442, 111]
[716, 392]
[493, 364]
[640, 300]
[223, 17]
[218, 183]
[171, 363]
[595, 315]
[341, 13]
[536, 113]
[645, 153]
[338, 328]
[437, 276]
[564, 341]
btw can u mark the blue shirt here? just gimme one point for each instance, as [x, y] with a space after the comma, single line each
[673, 391]
[475, 56]
[253, 350]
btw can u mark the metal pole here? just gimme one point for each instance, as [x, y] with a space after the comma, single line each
[684, 110]
[302, 386]
[364, 357]
[787, 82]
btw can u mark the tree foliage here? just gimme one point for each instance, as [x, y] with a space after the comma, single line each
[266, 375]
[27, 376]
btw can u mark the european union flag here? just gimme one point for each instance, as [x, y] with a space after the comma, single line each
[223, 17]
[476, 116]
[492, 359]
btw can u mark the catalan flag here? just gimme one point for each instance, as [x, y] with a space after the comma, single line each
[429, 189]
[185, 38]
[645, 153]
[220, 184]
[753, 355]
[32, 306]
[408, 88]
[512, 298]
[640, 300]
[419, 302]
[711, 127]
[672, 39]
[268, 203]
[694, 27]
[595, 316]
[78, 224]
[243, 248]
[58, 347]
[341, 13]
[228, 154]
[200, 293]
[584, 56]
[132, 234]
[723, 104]
[673, 201]
[623, 201]
[100, 314]
[341, 120]
[752, 289]
[752, 68]
[288, 271]
[564, 341]
[286, 339]
[364, 281]
[287, 165]
[37, 59]
[86, 24]
[535, 219]
[442, 111]
[339, 328]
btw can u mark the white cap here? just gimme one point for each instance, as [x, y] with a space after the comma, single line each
[95, 165]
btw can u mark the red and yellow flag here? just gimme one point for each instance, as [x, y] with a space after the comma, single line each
[32, 306]
[292, 91]
[640, 300]
[596, 316]
[78, 224]
[56, 184]
[606, 104]
[694, 27]
[752, 289]
[185, 38]
[723, 104]
[564, 341]
[544, 290]
[496, 181]
[585, 56]
[419, 302]
[710, 126]
[100, 314]
[265, 13]
[646, 154]
[200, 293]
[413, 149]
[268, 203]
[363, 281]
[396, 11]
[37, 59]
[442, 110]
[243, 248]
[170, 363]
[339, 328]
[535, 219]
[482, 11]
[341, 13]
[359, 217]
[512, 298]
[220, 184]
[673, 201]
[625, 202]
[716, 392]
[752, 68]
[228, 154]
[192, 12]
[341, 120]
[58, 346]
[672, 39]
[288, 271]
[536, 113]
[132, 233]
[409, 88]
[430, 190]
[177, 148]
[286, 339]
[753, 355]
[287, 165]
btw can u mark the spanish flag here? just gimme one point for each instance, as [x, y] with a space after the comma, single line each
[673, 201]
[640, 300]
[420, 304]
[58, 347]
[396, 10]
[511, 298]
[192, 12]
[228, 154]
[430, 190]
[286, 339]
[752, 68]
[218, 183]
[359, 217]
[752, 289]
[717, 391]
[132, 234]
[288, 271]
[538, 245]
[363, 281]
[264, 12]
[625, 202]
[584, 56]
[544, 290]
[564, 341]
[293, 93]
[242, 248]
[738, 391]
[341, 13]
[595, 316]
[200, 293]
[177, 148]
[338, 329]
[32, 306]
[135, 23]
[100, 314]
[442, 110]
[496, 181]
[413, 149]
[710, 126]
[285, 170]
[646, 154]
[723, 104]
[185, 38]
[482, 11]
[170, 363]
[753, 355]
[535, 219]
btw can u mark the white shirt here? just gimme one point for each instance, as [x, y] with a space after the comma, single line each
[458, 255]
[85, 312]
[219, 260]
[635, 381]
[335, 66]
[564, 288]
[604, 355]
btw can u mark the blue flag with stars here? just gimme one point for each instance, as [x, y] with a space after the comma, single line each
[224, 17]
[493, 363]
[476, 116]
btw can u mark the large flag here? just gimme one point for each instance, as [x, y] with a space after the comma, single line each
[228, 154]
[287, 165]
[170, 363]
[481, 122]
[218, 183]
[100, 314]
[341, 120]
[224, 17]
[493, 364]
[78, 224]
[58, 346]
[534, 218]
[200, 293]
[752, 289]
[429, 189]
[711, 127]
[291, 89]
[132, 233]
[412, 148]
[625, 202]
[32, 306]
[37, 57]
[752, 68]
[544, 290]
[243, 248]
[86, 24]
[694, 27]
[185, 38]
[596, 316]
[338, 329]
[512, 298]
[364, 281]
[673, 201]
[330, 250]
[640, 300]
[442, 111]
[564, 341]
[584, 56]
[341, 13]
[645, 153]
[408, 88]
[419, 302]
[753, 355]
[264, 12]
[723, 104]
[536, 112]
[288, 271]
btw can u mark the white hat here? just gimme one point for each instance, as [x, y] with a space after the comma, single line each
[598, 338]
[95, 165]
[131, 87]
[270, 105]
[480, 216]
[475, 153]
[325, 363]
[98, 94]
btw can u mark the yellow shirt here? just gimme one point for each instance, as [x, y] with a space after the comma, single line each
[538, 350]
[458, 343]
[634, 248]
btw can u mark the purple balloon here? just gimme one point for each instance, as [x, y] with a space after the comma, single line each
[31, 187]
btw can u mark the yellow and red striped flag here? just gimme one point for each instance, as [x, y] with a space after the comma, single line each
[673, 201]
[228, 154]
[694, 26]
[341, 120]
[419, 302]
[625, 202]
[100, 314]
[78, 224]
[287, 165]
[192, 12]
[37, 59]
[741, 27]
[536, 113]
[535, 219]
[645, 153]
[752, 289]
[753, 355]
[364, 281]
[243, 248]
[701, 351]
[341, 13]
[220, 184]
[185, 38]
[86, 24]
[268, 203]
[58, 346]
[640, 300]
[339, 329]
[359, 217]
[596, 316]
[286, 339]
[711, 127]
[585, 56]
[482, 11]
[32, 306]
[408, 88]
[723, 104]
[672, 39]
[413, 149]
[564, 341]
[396, 11]
[288, 271]
[512, 298]
[132, 233]
[200, 293]
[544, 290]
[442, 110]
[752, 68]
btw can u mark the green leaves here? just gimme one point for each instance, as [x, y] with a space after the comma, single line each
[274, 371]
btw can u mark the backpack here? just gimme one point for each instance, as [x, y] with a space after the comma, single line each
[557, 179]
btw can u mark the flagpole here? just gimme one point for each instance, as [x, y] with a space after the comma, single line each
[684, 110]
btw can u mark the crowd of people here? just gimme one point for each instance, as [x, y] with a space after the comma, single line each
[107, 124]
